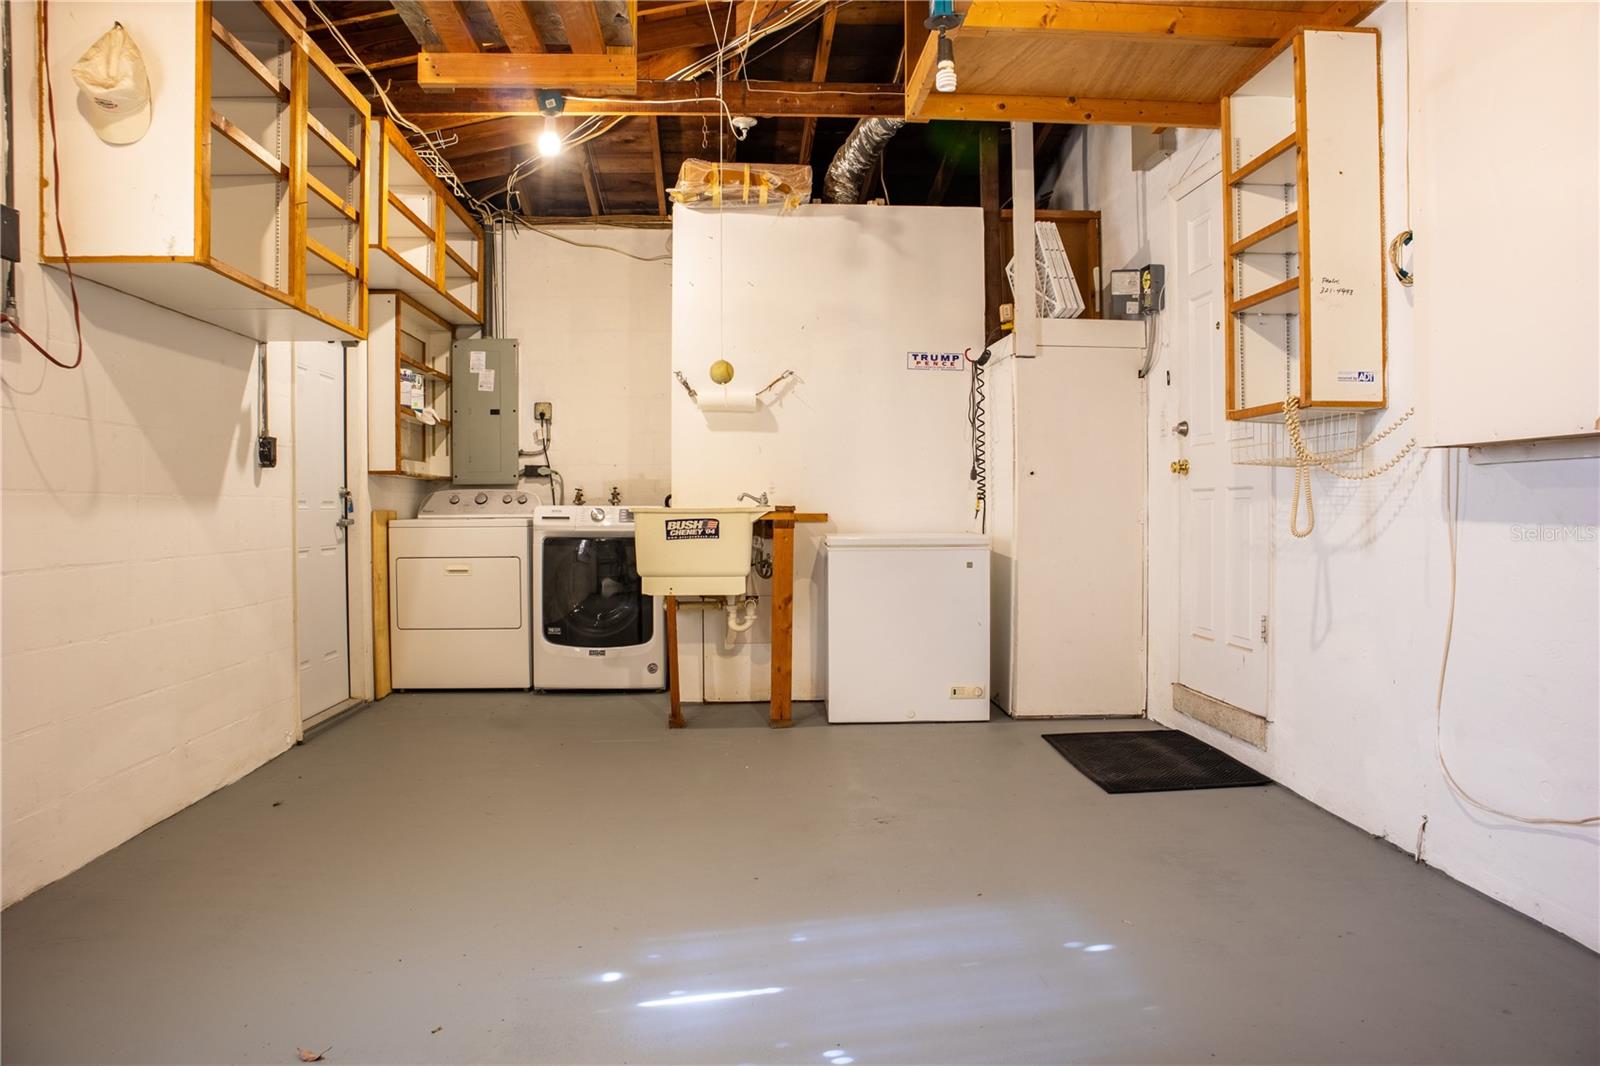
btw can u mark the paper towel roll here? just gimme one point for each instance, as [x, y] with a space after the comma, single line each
[725, 399]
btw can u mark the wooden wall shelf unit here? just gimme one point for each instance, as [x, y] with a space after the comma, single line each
[241, 205]
[1303, 228]
[408, 352]
[425, 243]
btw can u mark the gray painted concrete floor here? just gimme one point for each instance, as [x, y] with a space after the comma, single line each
[508, 878]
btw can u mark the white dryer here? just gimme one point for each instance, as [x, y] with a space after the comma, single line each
[460, 607]
[595, 627]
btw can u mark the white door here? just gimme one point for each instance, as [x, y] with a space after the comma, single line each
[1223, 515]
[322, 624]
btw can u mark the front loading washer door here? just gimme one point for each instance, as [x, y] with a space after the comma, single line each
[590, 594]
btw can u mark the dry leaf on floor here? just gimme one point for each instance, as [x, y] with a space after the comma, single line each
[312, 1056]
[438, 1029]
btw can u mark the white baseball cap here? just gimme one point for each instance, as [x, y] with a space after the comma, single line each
[111, 73]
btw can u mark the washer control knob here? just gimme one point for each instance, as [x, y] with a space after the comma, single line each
[481, 498]
[455, 497]
[522, 497]
[598, 514]
[506, 498]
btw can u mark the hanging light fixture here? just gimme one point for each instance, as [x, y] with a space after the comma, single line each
[551, 104]
[943, 17]
[549, 141]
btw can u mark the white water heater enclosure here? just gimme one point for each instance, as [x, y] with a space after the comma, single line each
[908, 627]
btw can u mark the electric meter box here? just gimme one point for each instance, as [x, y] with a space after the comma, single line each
[1136, 293]
[483, 411]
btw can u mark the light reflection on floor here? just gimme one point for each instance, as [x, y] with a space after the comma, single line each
[878, 987]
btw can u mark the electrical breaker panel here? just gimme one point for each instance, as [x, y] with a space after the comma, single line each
[483, 411]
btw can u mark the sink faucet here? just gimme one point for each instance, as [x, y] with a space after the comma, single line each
[762, 499]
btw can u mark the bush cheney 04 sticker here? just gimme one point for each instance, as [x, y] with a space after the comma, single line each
[693, 528]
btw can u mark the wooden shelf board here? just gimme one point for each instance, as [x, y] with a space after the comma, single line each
[330, 257]
[327, 137]
[248, 60]
[249, 146]
[406, 414]
[332, 199]
[1278, 165]
[467, 268]
[386, 270]
[411, 217]
[424, 368]
[1280, 299]
[1275, 238]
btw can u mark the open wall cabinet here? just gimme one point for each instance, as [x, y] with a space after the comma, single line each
[408, 389]
[1303, 226]
[425, 243]
[241, 205]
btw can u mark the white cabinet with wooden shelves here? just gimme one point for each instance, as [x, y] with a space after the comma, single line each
[241, 205]
[408, 389]
[1303, 228]
[424, 242]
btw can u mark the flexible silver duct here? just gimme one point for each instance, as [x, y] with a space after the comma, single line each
[853, 162]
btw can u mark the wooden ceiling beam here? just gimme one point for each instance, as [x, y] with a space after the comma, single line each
[516, 26]
[655, 158]
[613, 72]
[1248, 26]
[499, 133]
[582, 21]
[437, 24]
[772, 99]
[819, 73]
[591, 183]
[974, 107]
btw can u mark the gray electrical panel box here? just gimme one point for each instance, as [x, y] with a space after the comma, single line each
[483, 411]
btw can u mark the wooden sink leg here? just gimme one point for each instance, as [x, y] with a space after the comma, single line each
[782, 622]
[675, 720]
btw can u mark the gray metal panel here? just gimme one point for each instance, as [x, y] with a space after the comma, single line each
[483, 420]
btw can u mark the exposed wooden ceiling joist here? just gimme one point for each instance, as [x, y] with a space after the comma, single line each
[610, 72]
[582, 20]
[516, 26]
[974, 107]
[436, 110]
[439, 25]
[819, 73]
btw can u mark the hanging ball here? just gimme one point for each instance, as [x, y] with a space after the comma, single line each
[722, 372]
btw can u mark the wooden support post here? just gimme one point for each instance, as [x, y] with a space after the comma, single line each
[382, 678]
[782, 618]
[675, 693]
[994, 269]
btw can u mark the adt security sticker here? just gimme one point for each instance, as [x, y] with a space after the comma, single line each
[1357, 377]
[694, 528]
[935, 361]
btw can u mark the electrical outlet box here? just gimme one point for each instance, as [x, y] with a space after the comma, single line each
[966, 692]
[10, 235]
[542, 412]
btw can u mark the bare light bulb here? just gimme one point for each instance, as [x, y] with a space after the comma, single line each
[549, 140]
[944, 72]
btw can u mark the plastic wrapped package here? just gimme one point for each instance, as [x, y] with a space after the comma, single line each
[739, 184]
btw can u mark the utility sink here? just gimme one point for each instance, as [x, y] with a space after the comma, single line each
[694, 551]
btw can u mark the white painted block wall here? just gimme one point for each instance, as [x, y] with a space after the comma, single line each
[1359, 608]
[596, 333]
[839, 294]
[147, 651]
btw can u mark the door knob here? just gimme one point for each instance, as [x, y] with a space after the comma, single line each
[1180, 466]
[1182, 428]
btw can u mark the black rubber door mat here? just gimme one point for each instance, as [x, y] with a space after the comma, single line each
[1152, 760]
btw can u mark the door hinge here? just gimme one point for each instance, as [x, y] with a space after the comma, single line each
[1263, 629]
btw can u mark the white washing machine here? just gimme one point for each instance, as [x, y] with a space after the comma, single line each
[595, 628]
[460, 603]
